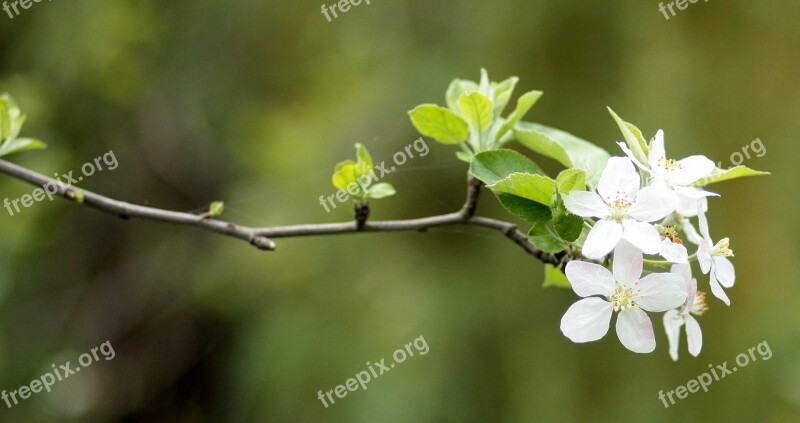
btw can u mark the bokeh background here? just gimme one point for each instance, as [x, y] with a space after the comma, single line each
[253, 102]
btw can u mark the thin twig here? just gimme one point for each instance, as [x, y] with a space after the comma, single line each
[261, 237]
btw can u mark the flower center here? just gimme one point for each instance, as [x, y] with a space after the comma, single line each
[722, 248]
[619, 206]
[669, 164]
[699, 307]
[622, 297]
[672, 233]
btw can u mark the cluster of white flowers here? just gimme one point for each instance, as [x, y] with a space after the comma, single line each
[640, 213]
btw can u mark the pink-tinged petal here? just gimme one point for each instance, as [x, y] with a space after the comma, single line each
[589, 279]
[691, 169]
[653, 203]
[587, 320]
[691, 232]
[618, 180]
[704, 257]
[693, 193]
[657, 150]
[723, 270]
[628, 263]
[694, 336]
[628, 152]
[661, 292]
[717, 290]
[672, 326]
[586, 204]
[602, 239]
[635, 331]
[643, 235]
[674, 252]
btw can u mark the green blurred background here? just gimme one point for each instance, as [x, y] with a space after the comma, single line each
[253, 102]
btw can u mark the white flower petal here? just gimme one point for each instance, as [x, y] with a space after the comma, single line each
[602, 239]
[587, 320]
[653, 203]
[661, 292]
[628, 263]
[691, 289]
[586, 204]
[717, 290]
[657, 150]
[694, 336]
[589, 279]
[642, 235]
[635, 331]
[674, 252]
[672, 326]
[688, 206]
[619, 178]
[701, 216]
[723, 269]
[628, 152]
[691, 232]
[692, 169]
[684, 270]
[693, 193]
[704, 257]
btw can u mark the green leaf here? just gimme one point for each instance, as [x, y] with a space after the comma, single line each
[494, 165]
[477, 110]
[719, 175]
[527, 185]
[216, 209]
[18, 145]
[345, 175]
[454, 91]
[439, 123]
[502, 94]
[5, 119]
[567, 225]
[524, 104]
[633, 137]
[523, 208]
[564, 147]
[381, 190]
[542, 235]
[553, 276]
[363, 155]
[571, 179]
[464, 156]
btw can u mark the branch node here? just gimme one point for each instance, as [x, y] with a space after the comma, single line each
[263, 243]
[361, 212]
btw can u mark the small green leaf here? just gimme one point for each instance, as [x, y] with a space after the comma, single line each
[454, 91]
[633, 137]
[523, 208]
[439, 123]
[345, 175]
[502, 93]
[464, 156]
[553, 276]
[564, 147]
[543, 236]
[216, 209]
[567, 225]
[363, 155]
[77, 196]
[527, 185]
[719, 175]
[17, 145]
[571, 179]
[381, 190]
[494, 165]
[477, 110]
[524, 104]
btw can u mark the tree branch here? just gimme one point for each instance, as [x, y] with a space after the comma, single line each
[261, 237]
